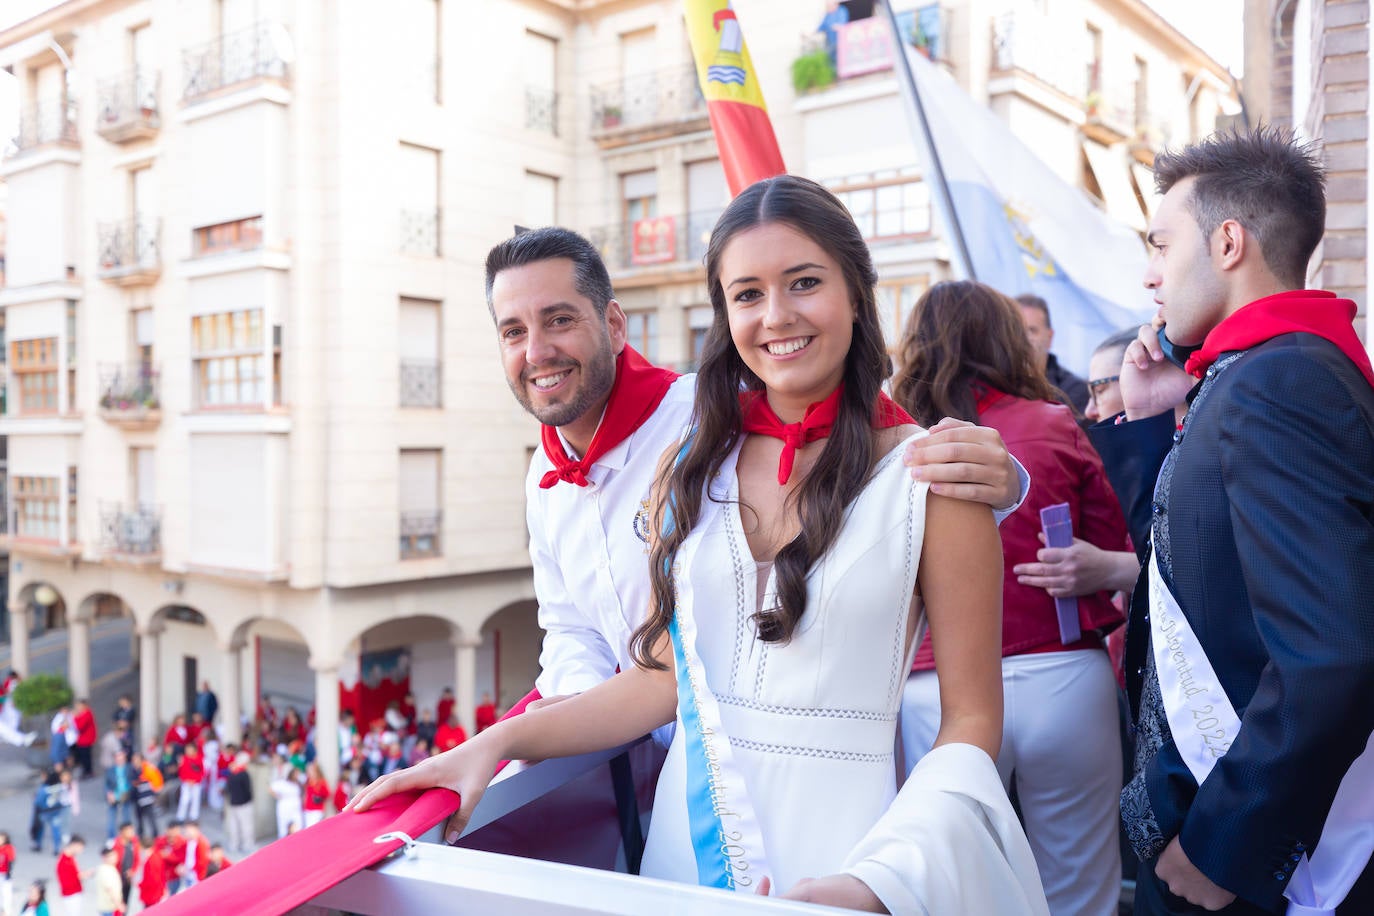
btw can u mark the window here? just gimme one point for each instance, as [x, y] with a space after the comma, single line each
[540, 67]
[71, 503]
[421, 368]
[71, 354]
[228, 362]
[420, 212]
[642, 333]
[34, 363]
[895, 300]
[639, 191]
[699, 318]
[887, 206]
[238, 235]
[540, 207]
[37, 508]
[1142, 93]
[421, 518]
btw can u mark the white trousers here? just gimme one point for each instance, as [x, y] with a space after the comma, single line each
[238, 825]
[188, 802]
[1060, 743]
[312, 817]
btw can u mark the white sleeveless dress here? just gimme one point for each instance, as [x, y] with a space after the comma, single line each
[812, 723]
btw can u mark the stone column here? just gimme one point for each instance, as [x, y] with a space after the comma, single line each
[149, 691]
[465, 680]
[231, 695]
[79, 656]
[327, 718]
[20, 622]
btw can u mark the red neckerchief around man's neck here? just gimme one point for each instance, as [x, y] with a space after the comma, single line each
[638, 390]
[760, 419]
[1314, 311]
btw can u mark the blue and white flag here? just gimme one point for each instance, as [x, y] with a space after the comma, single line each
[1026, 229]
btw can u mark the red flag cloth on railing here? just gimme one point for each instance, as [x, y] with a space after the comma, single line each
[739, 119]
[293, 870]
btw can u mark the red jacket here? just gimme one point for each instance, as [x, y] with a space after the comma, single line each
[119, 852]
[177, 735]
[202, 856]
[340, 796]
[316, 795]
[449, 736]
[1063, 467]
[485, 716]
[192, 768]
[443, 710]
[84, 720]
[153, 886]
[68, 875]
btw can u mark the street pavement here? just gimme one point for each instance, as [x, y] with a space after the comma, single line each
[112, 675]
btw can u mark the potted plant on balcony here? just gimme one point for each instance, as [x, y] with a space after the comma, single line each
[1092, 103]
[813, 70]
[610, 116]
[36, 698]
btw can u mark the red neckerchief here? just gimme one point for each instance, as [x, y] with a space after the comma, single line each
[815, 423]
[638, 390]
[1314, 311]
[986, 396]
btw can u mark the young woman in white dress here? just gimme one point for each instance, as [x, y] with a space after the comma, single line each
[794, 566]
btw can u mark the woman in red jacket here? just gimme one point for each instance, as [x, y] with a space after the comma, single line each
[316, 794]
[965, 354]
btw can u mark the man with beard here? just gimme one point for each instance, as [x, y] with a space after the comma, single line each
[608, 415]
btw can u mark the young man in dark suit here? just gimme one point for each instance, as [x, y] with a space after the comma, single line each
[1250, 653]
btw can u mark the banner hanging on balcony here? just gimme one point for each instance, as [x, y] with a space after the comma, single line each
[1027, 230]
[739, 119]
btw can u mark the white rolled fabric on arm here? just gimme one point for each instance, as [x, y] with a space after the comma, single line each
[950, 843]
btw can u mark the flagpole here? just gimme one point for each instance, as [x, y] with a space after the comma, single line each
[943, 201]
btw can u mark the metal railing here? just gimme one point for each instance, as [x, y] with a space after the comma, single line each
[1039, 46]
[234, 58]
[655, 240]
[129, 388]
[420, 534]
[49, 121]
[129, 244]
[130, 529]
[650, 98]
[541, 110]
[421, 383]
[128, 99]
[420, 232]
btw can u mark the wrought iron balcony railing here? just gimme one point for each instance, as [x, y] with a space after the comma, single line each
[650, 98]
[250, 54]
[130, 393]
[421, 383]
[1035, 44]
[655, 240]
[420, 232]
[50, 121]
[541, 110]
[130, 529]
[420, 534]
[129, 107]
[129, 249]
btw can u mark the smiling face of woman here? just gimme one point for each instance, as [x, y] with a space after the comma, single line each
[790, 312]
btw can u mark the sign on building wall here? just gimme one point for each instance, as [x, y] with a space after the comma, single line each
[655, 240]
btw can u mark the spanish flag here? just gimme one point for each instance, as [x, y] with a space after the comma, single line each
[739, 119]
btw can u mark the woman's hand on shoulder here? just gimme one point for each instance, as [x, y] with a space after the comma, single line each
[965, 461]
[465, 769]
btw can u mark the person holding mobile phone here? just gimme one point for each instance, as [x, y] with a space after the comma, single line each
[1250, 645]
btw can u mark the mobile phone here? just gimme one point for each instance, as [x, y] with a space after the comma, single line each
[1174, 353]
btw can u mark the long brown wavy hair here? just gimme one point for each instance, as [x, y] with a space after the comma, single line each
[961, 333]
[847, 459]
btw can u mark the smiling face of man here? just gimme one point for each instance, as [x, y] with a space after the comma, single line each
[557, 350]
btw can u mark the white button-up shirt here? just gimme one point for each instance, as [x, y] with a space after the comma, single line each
[589, 548]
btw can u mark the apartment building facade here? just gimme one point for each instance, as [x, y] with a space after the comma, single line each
[253, 397]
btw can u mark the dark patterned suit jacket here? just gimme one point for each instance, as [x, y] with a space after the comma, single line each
[1271, 535]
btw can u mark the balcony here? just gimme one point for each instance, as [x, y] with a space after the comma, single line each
[541, 110]
[420, 534]
[129, 251]
[420, 232]
[129, 108]
[1036, 46]
[134, 531]
[130, 396]
[421, 383]
[865, 46]
[656, 242]
[47, 123]
[1106, 120]
[232, 61]
[647, 107]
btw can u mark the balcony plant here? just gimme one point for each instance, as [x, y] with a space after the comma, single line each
[1093, 102]
[610, 116]
[813, 70]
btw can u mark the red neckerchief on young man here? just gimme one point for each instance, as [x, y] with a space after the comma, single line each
[1314, 311]
[815, 423]
[638, 390]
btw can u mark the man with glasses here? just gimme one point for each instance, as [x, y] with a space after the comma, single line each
[1104, 388]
